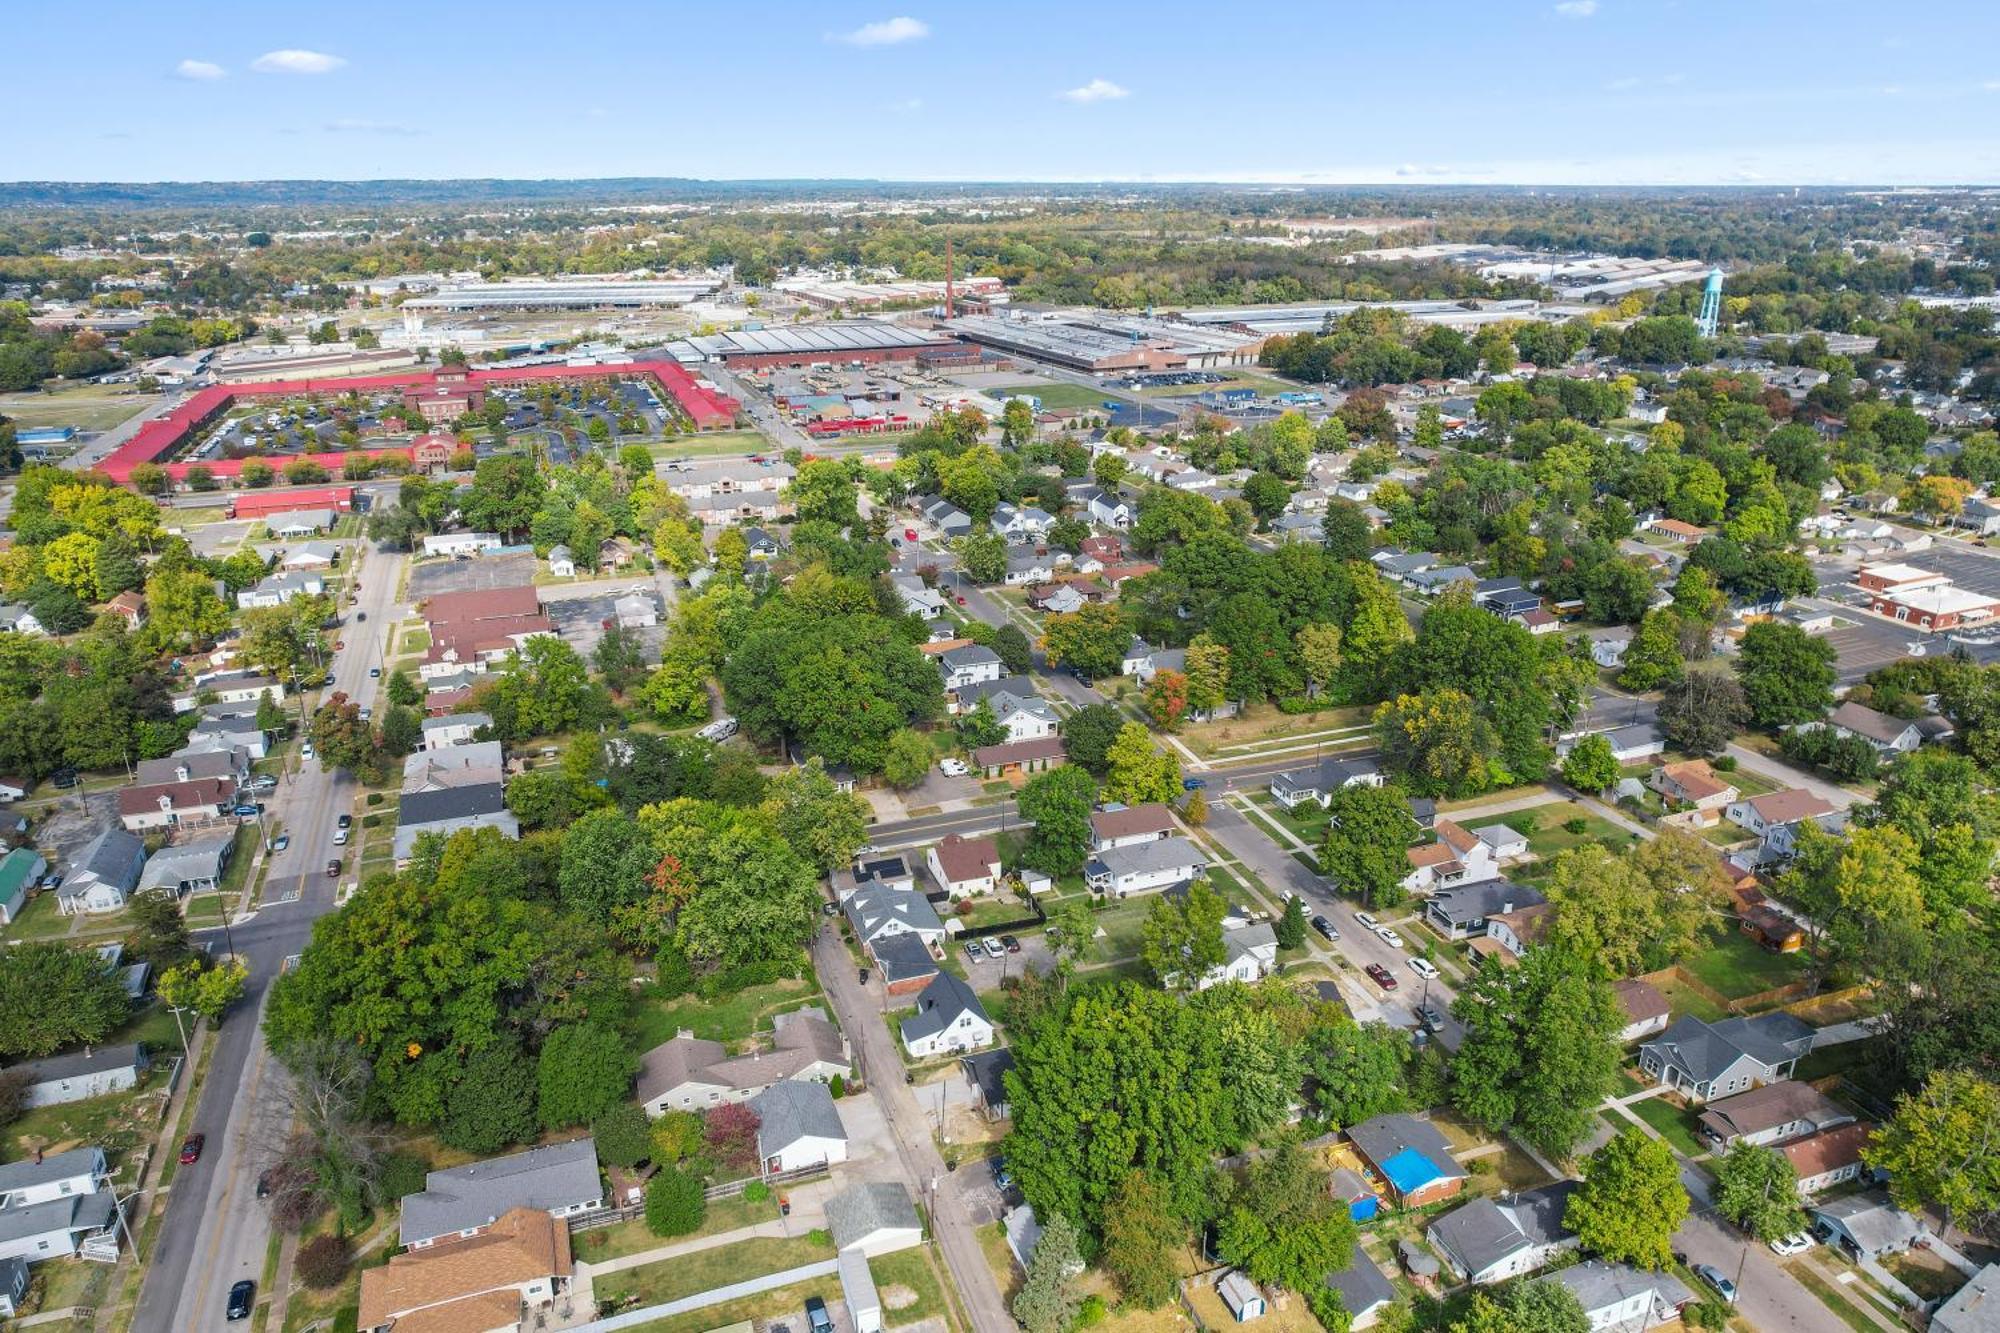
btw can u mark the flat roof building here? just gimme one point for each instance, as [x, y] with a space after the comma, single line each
[800, 345]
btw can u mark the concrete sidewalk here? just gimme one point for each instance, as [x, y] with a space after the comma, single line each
[716, 1296]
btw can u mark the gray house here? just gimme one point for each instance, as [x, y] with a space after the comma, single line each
[1619, 1296]
[195, 866]
[874, 1217]
[1363, 1288]
[453, 808]
[1867, 1226]
[561, 1180]
[104, 875]
[798, 1126]
[1461, 912]
[1491, 1240]
[1706, 1060]
[878, 910]
[80, 1074]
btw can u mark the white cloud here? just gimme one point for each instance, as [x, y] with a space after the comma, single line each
[291, 61]
[1097, 90]
[1577, 9]
[350, 125]
[909, 104]
[889, 32]
[1991, 85]
[198, 69]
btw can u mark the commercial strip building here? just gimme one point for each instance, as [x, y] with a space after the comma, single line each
[801, 345]
[835, 294]
[565, 294]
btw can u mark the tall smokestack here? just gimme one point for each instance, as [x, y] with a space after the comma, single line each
[947, 276]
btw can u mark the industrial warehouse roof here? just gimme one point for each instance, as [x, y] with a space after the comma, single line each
[851, 335]
[560, 295]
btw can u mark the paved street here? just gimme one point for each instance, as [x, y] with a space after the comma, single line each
[859, 1010]
[215, 1232]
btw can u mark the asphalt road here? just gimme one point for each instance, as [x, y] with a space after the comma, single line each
[215, 1232]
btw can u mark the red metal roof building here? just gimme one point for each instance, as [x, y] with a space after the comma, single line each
[257, 504]
[161, 437]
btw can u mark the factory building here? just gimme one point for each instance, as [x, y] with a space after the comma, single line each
[830, 294]
[564, 294]
[797, 346]
[1106, 341]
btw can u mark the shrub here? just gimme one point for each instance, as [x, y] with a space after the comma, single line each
[402, 1173]
[837, 1086]
[674, 1205]
[965, 907]
[1092, 1312]
[1575, 826]
[756, 1192]
[820, 1236]
[1723, 763]
[1524, 822]
[322, 1261]
[624, 1136]
[374, 798]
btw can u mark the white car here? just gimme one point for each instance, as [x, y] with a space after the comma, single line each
[1367, 921]
[1796, 1243]
[953, 768]
[1389, 937]
[1424, 968]
[719, 730]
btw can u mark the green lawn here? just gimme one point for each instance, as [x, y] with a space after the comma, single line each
[1685, 1001]
[1736, 965]
[913, 1270]
[1549, 838]
[39, 920]
[1831, 1297]
[721, 1216]
[87, 407]
[1307, 822]
[718, 445]
[731, 1018]
[764, 1305]
[1263, 725]
[1675, 1125]
[704, 1270]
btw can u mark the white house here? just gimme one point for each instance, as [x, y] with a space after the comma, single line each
[19, 619]
[453, 729]
[1828, 1157]
[917, 599]
[1621, 1297]
[562, 562]
[281, 588]
[1023, 717]
[798, 1127]
[1458, 856]
[460, 1202]
[1144, 866]
[949, 1019]
[878, 911]
[874, 1218]
[1319, 782]
[1019, 523]
[20, 869]
[1108, 509]
[968, 664]
[57, 1206]
[963, 866]
[300, 523]
[1775, 819]
[1249, 954]
[461, 543]
[103, 875]
[91, 1072]
[1490, 1240]
[1129, 825]
[1890, 736]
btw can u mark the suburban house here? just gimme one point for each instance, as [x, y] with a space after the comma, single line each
[103, 875]
[987, 1073]
[1143, 867]
[1829, 1157]
[91, 1072]
[562, 562]
[300, 523]
[963, 866]
[1410, 1156]
[906, 962]
[1014, 757]
[1108, 509]
[509, 1273]
[1775, 818]
[1704, 1061]
[1461, 912]
[1056, 598]
[130, 607]
[1023, 716]
[1774, 1113]
[797, 1127]
[453, 729]
[1621, 1297]
[878, 911]
[449, 810]
[460, 1202]
[13, 1286]
[1020, 522]
[1646, 1009]
[1890, 736]
[947, 518]
[1138, 660]
[1458, 855]
[194, 866]
[1512, 933]
[194, 766]
[58, 1205]
[1867, 1225]
[1692, 784]
[168, 804]
[968, 665]
[465, 765]
[19, 619]
[687, 1073]
[1323, 779]
[1363, 1289]
[1973, 1309]
[875, 1218]
[917, 599]
[20, 869]
[277, 589]
[1249, 954]
[890, 871]
[1129, 825]
[949, 1018]
[461, 545]
[1491, 1240]
[227, 727]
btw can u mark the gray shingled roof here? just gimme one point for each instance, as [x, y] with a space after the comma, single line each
[561, 1175]
[114, 857]
[862, 1209]
[1384, 1136]
[1474, 902]
[56, 1166]
[1600, 1286]
[902, 957]
[1175, 853]
[788, 1112]
[1361, 1285]
[939, 1006]
[1486, 1231]
[78, 1064]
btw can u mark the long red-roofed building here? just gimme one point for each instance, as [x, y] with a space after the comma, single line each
[160, 438]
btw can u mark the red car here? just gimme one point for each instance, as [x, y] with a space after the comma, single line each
[1381, 976]
[191, 1147]
[909, 534]
[961, 599]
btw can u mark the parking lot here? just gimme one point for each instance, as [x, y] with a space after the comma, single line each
[579, 621]
[428, 578]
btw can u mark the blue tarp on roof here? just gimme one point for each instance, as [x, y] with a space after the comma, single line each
[1409, 1171]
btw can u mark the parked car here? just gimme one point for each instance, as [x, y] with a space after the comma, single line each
[1325, 927]
[1381, 976]
[973, 953]
[241, 1297]
[1367, 921]
[953, 768]
[1010, 944]
[52, 881]
[1796, 1243]
[263, 1184]
[817, 1317]
[1001, 1175]
[1193, 784]
[245, 812]
[374, 672]
[191, 1147]
[1430, 1016]
[306, 750]
[333, 868]
[282, 841]
[1716, 1278]
[1424, 968]
[340, 837]
[1388, 936]
[909, 534]
[719, 730]
[994, 948]
[263, 782]
[345, 821]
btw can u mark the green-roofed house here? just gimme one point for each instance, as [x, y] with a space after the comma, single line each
[19, 869]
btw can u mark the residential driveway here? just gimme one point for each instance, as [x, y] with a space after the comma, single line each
[988, 973]
[1779, 771]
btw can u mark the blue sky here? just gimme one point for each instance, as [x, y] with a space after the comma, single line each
[1478, 91]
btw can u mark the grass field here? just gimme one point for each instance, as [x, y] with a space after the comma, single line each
[912, 1271]
[1735, 965]
[1263, 725]
[86, 407]
[1549, 837]
[1261, 383]
[1675, 1124]
[1060, 396]
[721, 444]
[730, 1018]
[764, 1305]
[632, 1237]
[704, 1270]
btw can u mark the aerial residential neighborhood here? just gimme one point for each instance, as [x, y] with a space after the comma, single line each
[1073, 714]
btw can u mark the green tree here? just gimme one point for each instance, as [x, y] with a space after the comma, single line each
[1139, 771]
[1540, 1050]
[1049, 1297]
[1590, 766]
[983, 556]
[159, 931]
[907, 759]
[1088, 735]
[1757, 1189]
[824, 489]
[674, 1203]
[1358, 1071]
[1942, 1147]
[1181, 937]
[824, 823]
[402, 690]
[1283, 1227]
[1653, 659]
[1438, 741]
[1091, 640]
[208, 991]
[1142, 1240]
[1291, 924]
[1318, 647]
[1058, 803]
[1631, 1201]
[492, 1105]
[584, 1071]
[1016, 654]
[1787, 674]
[1702, 713]
[1367, 840]
[53, 996]
[624, 1136]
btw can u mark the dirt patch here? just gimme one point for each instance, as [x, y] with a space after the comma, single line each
[896, 1296]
